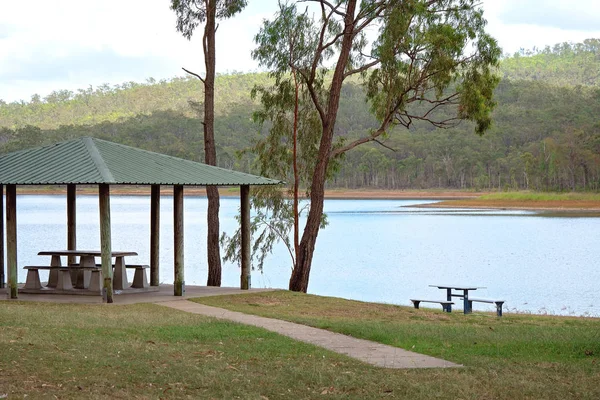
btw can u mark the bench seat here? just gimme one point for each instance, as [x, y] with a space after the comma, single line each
[140, 277]
[33, 277]
[498, 303]
[79, 266]
[446, 305]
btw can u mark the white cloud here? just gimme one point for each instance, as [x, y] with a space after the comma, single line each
[533, 23]
[580, 15]
[69, 44]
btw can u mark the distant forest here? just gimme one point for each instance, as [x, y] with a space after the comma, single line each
[546, 132]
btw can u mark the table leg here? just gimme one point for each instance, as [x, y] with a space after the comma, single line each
[96, 281]
[53, 276]
[64, 280]
[120, 274]
[449, 294]
[83, 276]
[33, 279]
[467, 307]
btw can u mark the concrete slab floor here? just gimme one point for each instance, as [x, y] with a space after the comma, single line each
[165, 293]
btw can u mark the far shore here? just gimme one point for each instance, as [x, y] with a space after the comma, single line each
[234, 192]
[448, 198]
[547, 205]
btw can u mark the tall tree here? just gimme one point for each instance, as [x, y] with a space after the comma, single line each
[429, 55]
[190, 14]
[287, 151]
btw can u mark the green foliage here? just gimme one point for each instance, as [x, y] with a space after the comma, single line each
[436, 56]
[270, 224]
[292, 123]
[564, 64]
[536, 196]
[424, 49]
[545, 135]
[191, 13]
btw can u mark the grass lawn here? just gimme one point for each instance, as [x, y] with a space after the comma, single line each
[513, 357]
[147, 351]
[531, 200]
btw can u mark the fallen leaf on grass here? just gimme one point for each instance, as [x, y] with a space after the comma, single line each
[328, 390]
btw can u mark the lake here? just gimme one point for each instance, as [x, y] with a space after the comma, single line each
[374, 250]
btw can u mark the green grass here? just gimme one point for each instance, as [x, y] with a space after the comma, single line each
[541, 196]
[516, 356]
[147, 351]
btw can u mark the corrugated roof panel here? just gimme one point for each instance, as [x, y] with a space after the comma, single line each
[93, 161]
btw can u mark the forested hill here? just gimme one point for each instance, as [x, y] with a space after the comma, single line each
[546, 133]
[563, 65]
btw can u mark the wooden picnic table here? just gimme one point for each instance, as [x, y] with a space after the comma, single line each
[81, 272]
[465, 293]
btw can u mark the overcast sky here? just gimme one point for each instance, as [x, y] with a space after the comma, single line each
[71, 44]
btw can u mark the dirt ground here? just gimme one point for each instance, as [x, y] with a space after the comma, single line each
[234, 192]
[451, 199]
[562, 205]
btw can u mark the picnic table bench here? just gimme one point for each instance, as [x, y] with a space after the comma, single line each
[446, 305]
[62, 281]
[467, 301]
[85, 274]
[498, 304]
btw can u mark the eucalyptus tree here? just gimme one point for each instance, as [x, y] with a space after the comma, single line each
[190, 14]
[428, 56]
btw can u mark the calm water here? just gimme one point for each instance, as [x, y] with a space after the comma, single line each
[374, 250]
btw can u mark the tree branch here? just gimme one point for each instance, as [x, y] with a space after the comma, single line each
[313, 94]
[358, 142]
[361, 69]
[384, 145]
[380, 8]
[193, 73]
[282, 237]
[334, 9]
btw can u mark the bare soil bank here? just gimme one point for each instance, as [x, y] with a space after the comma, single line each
[234, 192]
[559, 205]
[452, 199]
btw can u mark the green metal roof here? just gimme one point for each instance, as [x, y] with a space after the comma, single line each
[93, 161]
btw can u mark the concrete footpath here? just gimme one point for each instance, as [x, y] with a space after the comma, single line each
[377, 354]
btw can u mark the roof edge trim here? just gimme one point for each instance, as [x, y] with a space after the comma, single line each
[98, 160]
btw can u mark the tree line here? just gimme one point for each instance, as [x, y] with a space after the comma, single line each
[545, 133]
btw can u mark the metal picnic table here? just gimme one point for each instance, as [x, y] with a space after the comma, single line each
[464, 295]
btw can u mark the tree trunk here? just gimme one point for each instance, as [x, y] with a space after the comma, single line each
[210, 153]
[295, 162]
[301, 272]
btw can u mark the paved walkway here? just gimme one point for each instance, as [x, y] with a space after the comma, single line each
[373, 353]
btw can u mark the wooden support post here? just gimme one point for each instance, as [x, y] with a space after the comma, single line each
[154, 235]
[11, 239]
[2, 276]
[179, 284]
[71, 223]
[245, 215]
[105, 242]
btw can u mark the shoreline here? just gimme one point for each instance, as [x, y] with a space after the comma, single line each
[448, 198]
[567, 206]
[357, 194]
